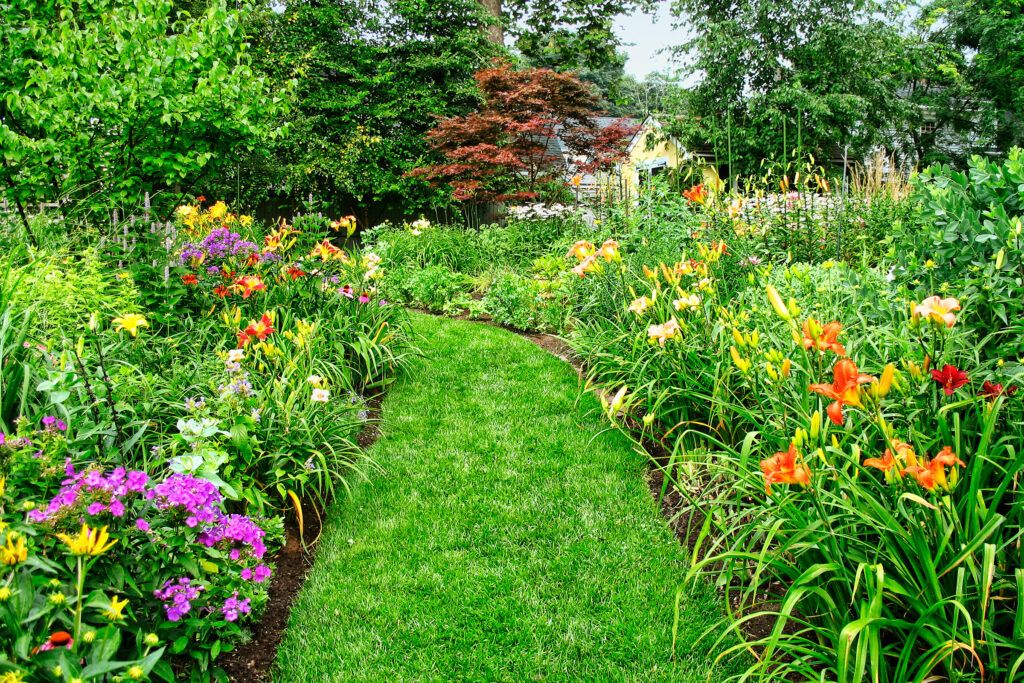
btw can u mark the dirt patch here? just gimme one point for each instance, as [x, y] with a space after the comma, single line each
[253, 660]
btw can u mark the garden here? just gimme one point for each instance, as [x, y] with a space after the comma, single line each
[439, 353]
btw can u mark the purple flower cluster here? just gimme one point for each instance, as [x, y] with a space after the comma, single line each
[102, 493]
[239, 386]
[257, 574]
[235, 529]
[197, 498]
[177, 597]
[218, 245]
[51, 424]
[233, 607]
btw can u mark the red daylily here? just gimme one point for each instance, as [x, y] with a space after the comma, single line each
[222, 291]
[189, 279]
[950, 378]
[823, 338]
[783, 468]
[295, 272]
[993, 390]
[260, 329]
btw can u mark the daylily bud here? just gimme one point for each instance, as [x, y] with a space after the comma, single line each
[794, 309]
[999, 258]
[815, 425]
[94, 321]
[835, 442]
[770, 369]
[738, 337]
[80, 346]
[755, 338]
[787, 366]
[885, 381]
[741, 363]
[799, 437]
[648, 419]
[775, 299]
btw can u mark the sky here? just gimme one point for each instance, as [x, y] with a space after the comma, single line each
[643, 35]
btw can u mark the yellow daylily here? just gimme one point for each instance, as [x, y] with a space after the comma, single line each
[130, 323]
[88, 541]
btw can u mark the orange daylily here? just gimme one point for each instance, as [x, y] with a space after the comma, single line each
[696, 194]
[783, 468]
[823, 338]
[327, 251]
[609, 251]
[904, 457]
[932, 474]
[844, 390]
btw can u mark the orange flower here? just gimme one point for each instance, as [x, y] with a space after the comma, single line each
[189, 279]
[696, 194]
[823, 338]
[905, 456]
[221, 291]
[783, 468]
[327, 251]
[932, 474]
[844, 390]
[247, 284]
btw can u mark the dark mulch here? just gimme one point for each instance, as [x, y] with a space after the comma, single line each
[253, 660]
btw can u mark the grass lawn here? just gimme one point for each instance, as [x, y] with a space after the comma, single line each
[509, 538]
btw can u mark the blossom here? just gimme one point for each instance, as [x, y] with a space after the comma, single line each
[189, 279]
[222, 291]
[609, 251]
[823, 338]
[328, 252]
[938, 310]
[347, 291]
[89, 541]
[687, 302]
[260, 329]
[247, 284]
[142, 525]
[783, 468]
[177, 597]
[581, 250]
[321, 395]
[697, 194]
[950, 378]
[130, 323]
[639, 305]
[295, 272]
[932, 474]
[257, 574]
[57, 639]
[904, 457]
[844, 390]
[233, 607]
[116, 610]
[14, 551]
[990, 390]
[664, 332]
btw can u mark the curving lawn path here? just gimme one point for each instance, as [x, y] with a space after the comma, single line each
[510, 537]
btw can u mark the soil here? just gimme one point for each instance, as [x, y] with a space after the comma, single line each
[253, 660]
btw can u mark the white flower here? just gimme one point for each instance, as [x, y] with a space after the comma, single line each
[315, 380]
[236, 355]
[321, 395]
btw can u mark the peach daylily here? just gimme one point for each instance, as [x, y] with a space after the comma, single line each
[664, 332]
[589, 264]
[938, 310]
[844, 390]
[639, 305]
[581, 250]
[823, 338]
[783, 468]
[609, 251]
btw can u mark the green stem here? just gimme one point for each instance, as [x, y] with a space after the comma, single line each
[79, 599]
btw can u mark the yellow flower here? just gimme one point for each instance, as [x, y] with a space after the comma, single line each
[57, 598]
[116, 610]
[3, 488]
[777, 303]
[88, 541]
[136, 673]
[130, 323]
[218, 210]
[12, 677]
[13, 552]
[5, 593]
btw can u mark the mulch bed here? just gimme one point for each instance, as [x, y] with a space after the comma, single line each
[252, 661]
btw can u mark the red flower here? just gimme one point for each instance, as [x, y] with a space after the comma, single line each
[222, 291]
[260, 329]
[844, 390]
[992, 390]
[696, 194]
[189, 279]
[200, 199]
[296, 272]
[950, 378]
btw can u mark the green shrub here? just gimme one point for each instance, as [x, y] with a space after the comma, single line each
[513, 300]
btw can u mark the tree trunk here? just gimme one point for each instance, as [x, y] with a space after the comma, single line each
[495, 31]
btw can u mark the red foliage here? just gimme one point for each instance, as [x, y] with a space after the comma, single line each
[508, 151]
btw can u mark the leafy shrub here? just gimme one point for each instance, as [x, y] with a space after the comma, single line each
[513, 300]
[971, 236]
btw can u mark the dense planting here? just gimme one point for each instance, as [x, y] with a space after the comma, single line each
[846, 431]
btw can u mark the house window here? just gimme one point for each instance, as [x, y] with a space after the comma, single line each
[929, 127]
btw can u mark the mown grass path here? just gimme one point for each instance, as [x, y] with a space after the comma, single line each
[509, 538]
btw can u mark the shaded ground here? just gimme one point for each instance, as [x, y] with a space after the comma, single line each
[512, 537]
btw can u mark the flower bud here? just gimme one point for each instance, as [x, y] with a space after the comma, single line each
[885, 381]
[815, 425]
[151, 640]
[775, 299]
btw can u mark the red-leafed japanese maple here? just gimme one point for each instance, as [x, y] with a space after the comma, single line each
[535, 127]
